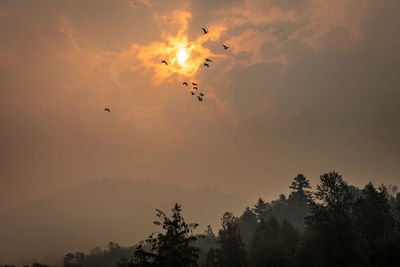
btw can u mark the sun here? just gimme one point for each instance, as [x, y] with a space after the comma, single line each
[182, 56]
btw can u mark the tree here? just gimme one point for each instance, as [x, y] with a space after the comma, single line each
[300, 184]
[74, 260]
[205, 243]
[298, 201]
[172, 247]
[36, 264]
[273, 244]
[230, 251]
[209, 232]
[247, 225]
[373, 217]
[330, 238]
[397, 210]
[212, 258]
[260, 209]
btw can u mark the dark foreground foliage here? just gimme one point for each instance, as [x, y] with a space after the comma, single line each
[335, 225]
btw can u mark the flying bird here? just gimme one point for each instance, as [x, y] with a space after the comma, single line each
[225, 47]
[201, 94]
[165, 62]
[185, 83]
[195, 87]
[194, 84]
[208, 60]
[107, 109]
[192, 93]
[207, 65]
[200, 98]
[205, 31]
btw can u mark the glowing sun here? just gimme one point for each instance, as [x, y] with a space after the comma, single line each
[182, 56]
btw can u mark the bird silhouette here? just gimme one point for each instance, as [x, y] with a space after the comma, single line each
[207, 65]
[107, 109]
[205, 31]
[201, 94]
[185, 83]
[165, 62]
[208, 60]
[194, 84]
[195, 87]
[200, 98]
[192, 93]
[225, 46]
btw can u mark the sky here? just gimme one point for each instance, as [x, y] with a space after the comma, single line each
[307, 86]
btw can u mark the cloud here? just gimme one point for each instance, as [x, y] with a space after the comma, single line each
[139, 3]
[301, 78]
[171, 43]
[258, 32]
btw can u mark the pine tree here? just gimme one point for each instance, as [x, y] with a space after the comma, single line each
[247, 224]
[300, 183]
[374, 219]
[330, 238]
[298, 201]
[230, 251]
[273, 244]
[260, 209]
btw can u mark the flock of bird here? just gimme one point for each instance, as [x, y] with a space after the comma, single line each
[195, 86]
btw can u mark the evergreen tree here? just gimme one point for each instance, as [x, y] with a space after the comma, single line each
[212, 258]
[298, 201]
[36, 264]
[230, 251]
[74, 260]
[330, 239]
[209, 232]
[247, 225]
[205, 243]
[396, 210]
[273, 244]
[260, 209]
[374, 219]
[300, 184]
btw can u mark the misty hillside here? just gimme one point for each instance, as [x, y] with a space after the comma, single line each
[95, 213]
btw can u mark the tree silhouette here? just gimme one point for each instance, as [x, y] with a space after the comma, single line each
[273, 244]
[230, 251]
[260, 209]
[298, 201]
[247, 224]
[330, 239]
[300, 184]
[343, 226]
[374, 219]
[172, 247]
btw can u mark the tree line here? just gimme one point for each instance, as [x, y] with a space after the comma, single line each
[335, 225]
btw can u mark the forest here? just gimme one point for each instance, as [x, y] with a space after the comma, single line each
[336, 224]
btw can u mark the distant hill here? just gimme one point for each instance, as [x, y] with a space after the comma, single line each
[94, 213]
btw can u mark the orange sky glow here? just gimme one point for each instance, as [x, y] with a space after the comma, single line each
[174, 45]
[307, 86]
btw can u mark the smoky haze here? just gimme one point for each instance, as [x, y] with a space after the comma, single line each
[95, 213]
[307, 86]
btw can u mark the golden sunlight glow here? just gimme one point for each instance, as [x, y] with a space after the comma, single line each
[182, 56]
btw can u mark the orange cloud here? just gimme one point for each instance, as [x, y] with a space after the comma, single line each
[172, 45]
